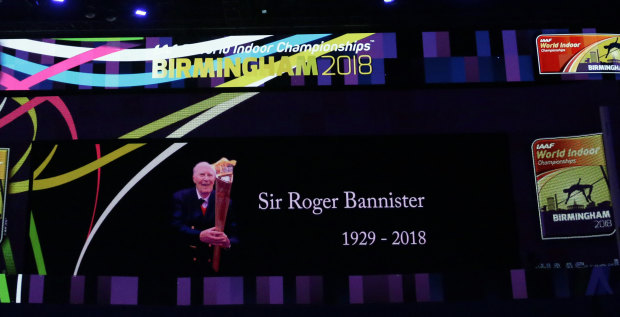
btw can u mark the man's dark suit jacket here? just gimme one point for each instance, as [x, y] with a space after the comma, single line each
[188, 222]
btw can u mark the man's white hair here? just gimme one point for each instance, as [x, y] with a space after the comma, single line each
[203, 163]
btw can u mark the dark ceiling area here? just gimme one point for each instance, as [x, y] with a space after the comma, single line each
[76, 15]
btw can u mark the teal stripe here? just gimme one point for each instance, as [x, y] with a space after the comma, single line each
[77, 78]
[36, 247]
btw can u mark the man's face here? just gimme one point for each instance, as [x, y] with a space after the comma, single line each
[204, 178]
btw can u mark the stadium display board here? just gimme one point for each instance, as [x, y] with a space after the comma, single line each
[354, 181]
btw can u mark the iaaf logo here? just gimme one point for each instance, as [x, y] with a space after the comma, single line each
[544, 146]
[546, 40]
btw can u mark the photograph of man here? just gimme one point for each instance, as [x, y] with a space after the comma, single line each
[193, 219]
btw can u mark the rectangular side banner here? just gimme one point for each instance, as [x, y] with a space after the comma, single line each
[578, 53]
[572, 186]
[4, 175]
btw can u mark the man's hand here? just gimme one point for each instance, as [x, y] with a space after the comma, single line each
[213, 236]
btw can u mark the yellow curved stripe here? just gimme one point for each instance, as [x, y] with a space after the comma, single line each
[246, 80]
[33, 117]
[21, 162]
[46, 183]
[18, 187]
[77, 173]
[179, 115]
[40, 184]
[43, 165]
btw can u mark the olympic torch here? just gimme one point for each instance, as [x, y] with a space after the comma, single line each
[223, 184]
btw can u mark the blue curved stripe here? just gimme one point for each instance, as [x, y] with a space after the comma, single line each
[130, 80]
[77, 78]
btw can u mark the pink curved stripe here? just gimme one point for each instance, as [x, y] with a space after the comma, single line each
[63, 66]
[92, 220]
[7, 80]
[56, 101]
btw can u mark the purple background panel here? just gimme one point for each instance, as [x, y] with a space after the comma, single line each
[511, 55]
[356, 289]
[389, 45]
[309, 289]
[22, 54]
[297, 80]
[269, 290]
[276, 290]
[316, 289]
[519, 285]
[378, 72]
[216, 81]
[443, 44]
[472, 73]
[376, 46]
[184, 289]
[322, 65]
[483, 43]
[350, 79]
[35, 294]
[78, 284]
[429, 44]
[302, 289]
[124, 290]
[262, 290]
[395, 288]
[223, 290]
[422, 287]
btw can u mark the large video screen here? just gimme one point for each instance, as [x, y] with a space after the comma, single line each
[305, 205]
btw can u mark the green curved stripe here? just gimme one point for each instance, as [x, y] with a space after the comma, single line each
[33, 117]
[180, 115]
[36, 247]
[4, 290]
[7, 253]
[98, 39]
[43, 165]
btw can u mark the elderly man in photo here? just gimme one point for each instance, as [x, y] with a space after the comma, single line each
[194, 219]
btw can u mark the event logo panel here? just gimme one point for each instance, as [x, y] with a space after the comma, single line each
[182, 62]
[578, 53]
[572, 186]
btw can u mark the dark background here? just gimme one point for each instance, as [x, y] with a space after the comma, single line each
[467, 208]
